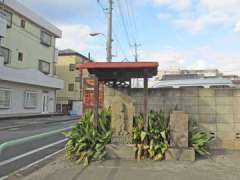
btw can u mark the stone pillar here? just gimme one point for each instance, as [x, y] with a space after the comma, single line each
[122, 119]
[179, 149]
[178, 129]
[122, 122]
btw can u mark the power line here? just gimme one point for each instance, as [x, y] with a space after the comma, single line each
[132, 23]
[133, 17]
[123, 22]
[136, 51]
[130, 20]
[114, 34]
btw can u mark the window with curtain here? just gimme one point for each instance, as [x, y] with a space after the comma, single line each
[5, 98]
[45, 38]
[44, 66]
[30, 99]
[5, 53]
[8, 16]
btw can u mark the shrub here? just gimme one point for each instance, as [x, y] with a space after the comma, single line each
[157, 135]
[138, 135]
[156, 138]
[199, 140]
[85, 143]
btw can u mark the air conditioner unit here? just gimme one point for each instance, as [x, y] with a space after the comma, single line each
[3, 27]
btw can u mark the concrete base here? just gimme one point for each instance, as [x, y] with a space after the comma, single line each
[120, 151]
[122, 139]
[177, 154]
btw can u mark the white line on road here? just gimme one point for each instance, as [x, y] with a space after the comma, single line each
[15, 142]
[4, 177]
[34, 163]
[31, 152]
[40, 160]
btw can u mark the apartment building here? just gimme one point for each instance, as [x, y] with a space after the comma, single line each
[28, 55]
[69, 99]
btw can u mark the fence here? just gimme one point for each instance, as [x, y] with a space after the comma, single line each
[216, 110]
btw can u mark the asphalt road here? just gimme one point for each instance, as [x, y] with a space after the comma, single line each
[30, 143]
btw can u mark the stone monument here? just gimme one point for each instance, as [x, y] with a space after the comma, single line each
[122, 119]
[179, 149]
[122, 122]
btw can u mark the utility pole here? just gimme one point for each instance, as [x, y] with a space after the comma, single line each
[109, 33]
[136, 51]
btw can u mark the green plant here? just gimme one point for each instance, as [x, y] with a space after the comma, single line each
[199, 140]
[156, 136]
[85, 143]
[139, 135]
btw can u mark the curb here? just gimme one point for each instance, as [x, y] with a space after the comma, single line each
[30, 116]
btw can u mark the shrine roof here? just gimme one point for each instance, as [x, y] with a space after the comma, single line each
[121, 70]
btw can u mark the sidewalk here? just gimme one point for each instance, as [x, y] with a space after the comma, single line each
[220, 167]
[22, 122]
[26, 115]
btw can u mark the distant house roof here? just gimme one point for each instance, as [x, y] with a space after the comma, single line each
[70, 52]
[202, 82]
[32, 16]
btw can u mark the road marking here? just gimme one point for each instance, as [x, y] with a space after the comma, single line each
[31, 152]
[5, 145]
[4, 177]
[34, 163]
[40, 160]
[13, 129]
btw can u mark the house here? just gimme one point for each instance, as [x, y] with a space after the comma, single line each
[175, 73]
[207, 78]
[69, 99]
[28, 55]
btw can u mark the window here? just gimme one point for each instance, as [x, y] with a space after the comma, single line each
[45, 38]
[70, 87]
[6, 55]
[78, 79]
[23, 23]
[30, 99]
[20, 56]
[71, 67]
[5, 98]
[8, 16]
[44, 67]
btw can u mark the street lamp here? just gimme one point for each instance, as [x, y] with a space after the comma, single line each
[108, 47]
[96, 34]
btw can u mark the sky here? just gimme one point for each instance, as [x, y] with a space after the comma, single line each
[189, 34]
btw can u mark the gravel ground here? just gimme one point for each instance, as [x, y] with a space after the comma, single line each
[222, 166]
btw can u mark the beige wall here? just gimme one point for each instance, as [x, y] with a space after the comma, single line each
[62, 71]
[27, 41]
[215, 110]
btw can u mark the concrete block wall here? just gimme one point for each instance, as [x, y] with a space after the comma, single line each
[215, 110]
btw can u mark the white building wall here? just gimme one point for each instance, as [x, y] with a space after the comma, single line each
[17, 98]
